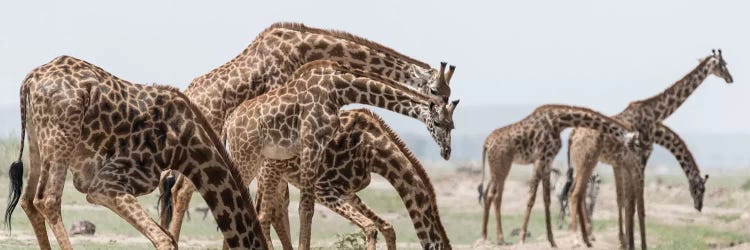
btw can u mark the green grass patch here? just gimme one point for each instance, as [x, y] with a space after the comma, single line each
[692, 237]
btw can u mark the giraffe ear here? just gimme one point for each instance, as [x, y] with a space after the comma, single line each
[452, 105]
[705, 179]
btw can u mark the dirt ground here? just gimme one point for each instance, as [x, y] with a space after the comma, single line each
[671, 220]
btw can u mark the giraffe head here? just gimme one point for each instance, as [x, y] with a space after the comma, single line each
[720, 67]
[435, 82]
[697, 190]
[440, 124]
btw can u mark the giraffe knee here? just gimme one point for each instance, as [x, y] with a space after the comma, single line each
[371, 233]
[27, 204]
[49, 206]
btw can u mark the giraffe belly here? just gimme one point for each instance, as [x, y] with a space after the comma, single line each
[278, 152]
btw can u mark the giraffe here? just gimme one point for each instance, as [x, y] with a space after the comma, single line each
[588, 147]
[366, 144]
[269, 62]
[116, 137]
[666, 138]
[536, 139]
[301, 118]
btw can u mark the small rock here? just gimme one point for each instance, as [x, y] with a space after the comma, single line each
[83, 227]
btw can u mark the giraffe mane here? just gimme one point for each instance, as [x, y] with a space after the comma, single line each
[669, 89]
[418, 167]
[300, 27]
[317, 64]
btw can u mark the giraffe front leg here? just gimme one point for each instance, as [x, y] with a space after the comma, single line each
[547, 200]
[641, 206]
[106, 190]
[49, 197]
[384, 226]
[309, 162]
[630, 199]
[531, 198]
[126, 206]
[332, 199]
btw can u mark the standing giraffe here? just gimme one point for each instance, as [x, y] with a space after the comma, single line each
[301, 118]
[666, 138]
[116, 137]
[366, 144]
[587, 147]
[536, 139]
[269, 62]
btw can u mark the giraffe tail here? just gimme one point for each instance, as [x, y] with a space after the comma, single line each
[16, 168]
[481, 184]
[165, 202]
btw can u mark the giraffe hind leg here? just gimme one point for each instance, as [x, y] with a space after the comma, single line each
[48, 197]
[35, 216]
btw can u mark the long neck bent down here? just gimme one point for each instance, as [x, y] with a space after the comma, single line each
[672, 142]
[568, 116]
[375, 93]
[418, 196]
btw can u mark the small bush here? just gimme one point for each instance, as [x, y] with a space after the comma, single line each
[350, 241]
[746, 185]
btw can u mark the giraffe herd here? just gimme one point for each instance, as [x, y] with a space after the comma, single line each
[274, 114]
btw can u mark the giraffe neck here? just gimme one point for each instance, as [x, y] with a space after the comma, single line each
[562, 117]
[311, 44]
[213, 174]
[669, 100]
[272, 58]
[349, 87]
[408, 177]
[672, 142]
[396, 163]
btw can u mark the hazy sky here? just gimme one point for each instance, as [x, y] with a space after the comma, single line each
[591, 53]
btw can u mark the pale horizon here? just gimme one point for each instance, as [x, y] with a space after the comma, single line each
[585, 53]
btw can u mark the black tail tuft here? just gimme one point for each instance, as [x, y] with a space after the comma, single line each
[165, 200]
[481, 193]
[16, 182]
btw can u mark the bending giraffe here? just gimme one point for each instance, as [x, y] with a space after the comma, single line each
[116, 137]
[301, 118]
[666, 138]
[536, 140]
[365, 144]
[269, 62]
[587, 147]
